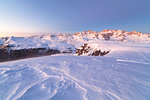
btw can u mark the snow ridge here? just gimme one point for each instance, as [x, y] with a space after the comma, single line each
[64, 42]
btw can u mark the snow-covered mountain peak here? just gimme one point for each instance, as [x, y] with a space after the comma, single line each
[62, 42]
[116, 35]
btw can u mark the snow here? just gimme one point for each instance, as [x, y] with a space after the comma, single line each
[123, 74]
[62, 42]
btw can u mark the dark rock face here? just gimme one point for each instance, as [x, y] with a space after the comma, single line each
[106, 36]
[86, 49]
[7, 54]
[99, 53]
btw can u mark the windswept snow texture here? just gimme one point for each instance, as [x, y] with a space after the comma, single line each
[123, 74]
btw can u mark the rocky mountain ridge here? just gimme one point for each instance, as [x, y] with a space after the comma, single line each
[117, 35]
[14, 47]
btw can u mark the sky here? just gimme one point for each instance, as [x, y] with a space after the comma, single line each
[23, 17]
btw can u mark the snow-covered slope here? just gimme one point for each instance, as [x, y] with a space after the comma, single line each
[64, 41]
[123, 74]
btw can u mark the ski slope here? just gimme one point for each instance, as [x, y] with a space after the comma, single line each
[123, 74]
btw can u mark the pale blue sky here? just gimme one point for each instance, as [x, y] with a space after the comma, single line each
[44, 16]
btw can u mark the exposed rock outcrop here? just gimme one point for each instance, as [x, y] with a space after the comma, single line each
[7, 54]
[85, 49]
[99, 53]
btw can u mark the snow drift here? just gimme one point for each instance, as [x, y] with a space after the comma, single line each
[121, 75]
